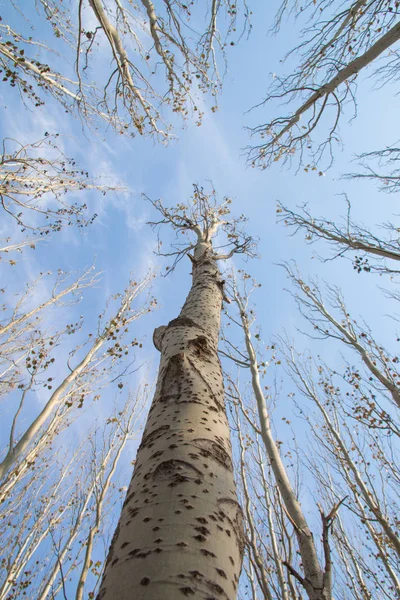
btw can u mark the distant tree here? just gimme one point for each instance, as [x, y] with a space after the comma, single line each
[386, 175]
[180, 532]
[28, 359]
[52, 526]
[349, 465]
[372, 252]
[34, 181]
[355, 460]
[313, 574]
[357, 434]
[159, 54]
[21, 326]
[338, 42]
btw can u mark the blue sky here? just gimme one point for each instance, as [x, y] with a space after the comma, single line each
[121, 242]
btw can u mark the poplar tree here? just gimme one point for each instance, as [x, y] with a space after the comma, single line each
[338, 42]
[180, 532]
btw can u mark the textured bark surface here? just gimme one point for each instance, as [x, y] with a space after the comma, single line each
[180, 532]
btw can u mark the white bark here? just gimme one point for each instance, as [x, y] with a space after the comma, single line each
[83, 281]
[103, 482]
[349, 466]
[285, 133]
[260, 568]
[180, 532]
[122, 318]
[16, 452]
[31, 535]
[316, 580]
[354, 67]
[273, 537]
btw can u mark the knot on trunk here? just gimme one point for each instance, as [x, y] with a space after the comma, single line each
[183, 321]
[158, 336]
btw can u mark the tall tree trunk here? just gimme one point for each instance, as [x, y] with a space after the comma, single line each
[180, 532]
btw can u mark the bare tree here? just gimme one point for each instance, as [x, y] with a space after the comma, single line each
[64, 514]
[339, 41]
[180, 531]
[98, 361]
[22, 328]
[34, 181]
[271, 538]
[371, 252]
[144, 40]
[260, 564]
[349, 465]
[387, 173]
[380, 364]
[357, 461]
[317, 578]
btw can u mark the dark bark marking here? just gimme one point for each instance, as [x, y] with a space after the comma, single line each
[235, 518]
[175, 471]
[209, 448]
[215, 587]
[128, 498]
[203, 530]
[184, 322]
[143, 554]
[201, 520]
[125, 544]
[208, 388]
[221, 573]
[145, 581]
[208, 553]
[200, 346]
[156, 454]
[187, 591]
[153, 435]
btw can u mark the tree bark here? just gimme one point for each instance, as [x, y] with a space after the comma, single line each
[317, 578]
[180, 532]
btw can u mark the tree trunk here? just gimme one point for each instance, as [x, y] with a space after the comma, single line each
[180, 532]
